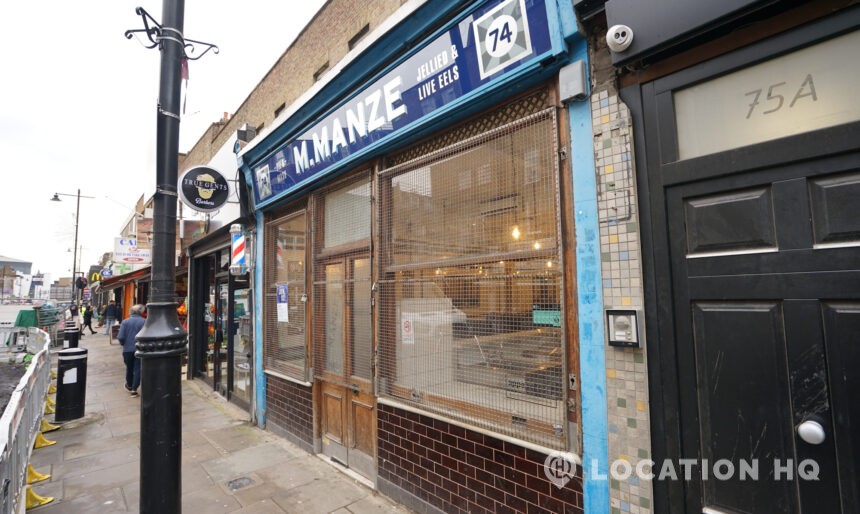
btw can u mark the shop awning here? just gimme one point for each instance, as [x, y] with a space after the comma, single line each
[126, 278]
[142, 274]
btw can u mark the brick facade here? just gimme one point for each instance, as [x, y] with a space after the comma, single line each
[324, 40]
[458, 470]
[289, 410]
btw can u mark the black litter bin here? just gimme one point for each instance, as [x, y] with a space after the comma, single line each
[71, 335]
[71, 384]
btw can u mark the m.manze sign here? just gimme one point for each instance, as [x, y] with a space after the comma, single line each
[496, 38]
[203, 189]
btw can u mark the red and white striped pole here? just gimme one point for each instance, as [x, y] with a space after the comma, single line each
[237, 250]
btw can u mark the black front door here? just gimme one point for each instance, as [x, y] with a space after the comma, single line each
[754, 333]
[767, 317]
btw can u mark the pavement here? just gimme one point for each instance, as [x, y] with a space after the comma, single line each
[228, 465]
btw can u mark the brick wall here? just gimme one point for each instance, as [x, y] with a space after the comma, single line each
[457, 470]
[289, 410]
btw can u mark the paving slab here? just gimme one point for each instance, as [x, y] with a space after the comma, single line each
[228, 465]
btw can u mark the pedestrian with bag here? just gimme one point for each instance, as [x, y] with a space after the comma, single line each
[128, 330]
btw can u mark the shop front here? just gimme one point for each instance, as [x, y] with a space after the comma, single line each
[416, 314]
[218, 311]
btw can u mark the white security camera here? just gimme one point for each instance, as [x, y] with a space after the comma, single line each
[619, 38]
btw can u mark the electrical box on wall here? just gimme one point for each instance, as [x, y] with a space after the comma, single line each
[573, 82]
[622, 328]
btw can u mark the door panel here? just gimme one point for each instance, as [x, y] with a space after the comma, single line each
[842, 339]
[348, 418]
[361, 347]
[834, 201]
[334, 308]
[362, 425]
[333, 422]
[333, 414]
[743, 398]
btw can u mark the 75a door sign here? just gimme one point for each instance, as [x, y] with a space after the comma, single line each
[502, 37]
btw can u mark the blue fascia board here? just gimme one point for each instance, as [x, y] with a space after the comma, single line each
[402, 41]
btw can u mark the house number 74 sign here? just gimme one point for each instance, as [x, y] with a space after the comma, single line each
[502, 37]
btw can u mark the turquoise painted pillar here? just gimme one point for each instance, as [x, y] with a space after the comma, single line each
[259, 287]
[592, 360]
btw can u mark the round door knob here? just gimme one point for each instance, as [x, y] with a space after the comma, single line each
[811, 432]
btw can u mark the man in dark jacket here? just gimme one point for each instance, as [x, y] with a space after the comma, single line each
[127, 334]
[88, 319]
[111, 314]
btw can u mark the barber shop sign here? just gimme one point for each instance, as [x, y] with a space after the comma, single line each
[203, 189]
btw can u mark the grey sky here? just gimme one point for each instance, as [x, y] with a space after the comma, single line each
[78, 110]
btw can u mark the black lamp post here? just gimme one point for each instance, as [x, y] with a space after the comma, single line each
[56, 198]
[162, 341]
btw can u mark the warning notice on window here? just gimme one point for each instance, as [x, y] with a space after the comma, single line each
[407, 329]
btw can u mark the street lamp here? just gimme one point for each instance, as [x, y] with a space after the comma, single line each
[56, 198]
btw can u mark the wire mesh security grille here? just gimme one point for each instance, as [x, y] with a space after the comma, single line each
[343, 336]
[470, 281]
[285, 298]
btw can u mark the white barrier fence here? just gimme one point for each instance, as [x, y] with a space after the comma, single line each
[21, 420]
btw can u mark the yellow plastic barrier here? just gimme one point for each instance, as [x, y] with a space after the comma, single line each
[34, 500]
[41, 442]
[34, 476]
[48, 427]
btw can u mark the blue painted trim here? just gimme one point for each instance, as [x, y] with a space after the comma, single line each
[566, 19]
[259, 286]
[592, 358]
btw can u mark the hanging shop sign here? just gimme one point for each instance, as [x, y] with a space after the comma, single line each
[126, 250]
[496, 38]
[203, 189]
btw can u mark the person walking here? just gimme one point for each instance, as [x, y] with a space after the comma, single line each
[128, 330]
[111, 314]
[88, 319]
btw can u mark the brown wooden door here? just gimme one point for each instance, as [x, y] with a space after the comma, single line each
[345, 349]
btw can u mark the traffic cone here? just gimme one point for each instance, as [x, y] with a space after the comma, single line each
[48, 427]
[41, 442]
[53, 374]
[49, 409]
[52, 389]
[34, 500]
[34, 476]
[50, 401]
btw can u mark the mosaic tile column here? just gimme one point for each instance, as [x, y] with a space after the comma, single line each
[629, 435]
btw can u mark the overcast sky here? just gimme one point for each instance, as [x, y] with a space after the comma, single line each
[79, 110]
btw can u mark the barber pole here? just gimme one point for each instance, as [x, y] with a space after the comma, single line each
[237, 250]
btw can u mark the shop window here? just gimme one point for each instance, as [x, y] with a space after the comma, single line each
[284, 341]
[343, 338]
[470, 319]
[347, 215]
